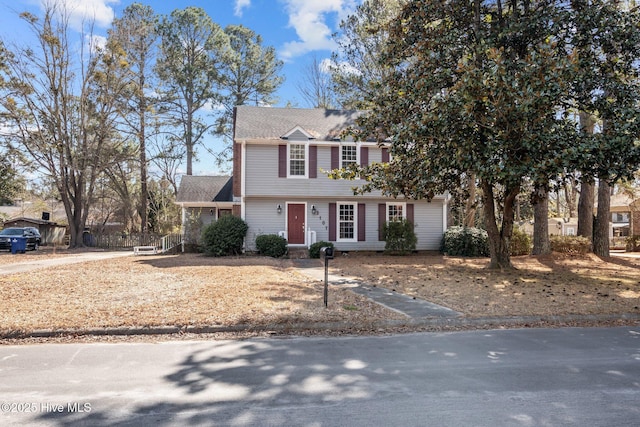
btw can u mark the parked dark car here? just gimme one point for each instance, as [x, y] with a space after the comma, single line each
[31, 233]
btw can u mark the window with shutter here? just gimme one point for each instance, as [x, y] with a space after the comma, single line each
[346, 221]
[297, 160]
[348, 155]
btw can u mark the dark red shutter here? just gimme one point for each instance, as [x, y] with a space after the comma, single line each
[382, 219]
[332, 222]
[385, 155]
[364, 156]
[313, 161]
[361, 223]
[282, 161]
[335, 157]
[410, 213]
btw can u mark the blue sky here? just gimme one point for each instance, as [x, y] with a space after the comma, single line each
[297, 29]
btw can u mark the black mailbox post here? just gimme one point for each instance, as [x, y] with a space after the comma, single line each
[327, 252]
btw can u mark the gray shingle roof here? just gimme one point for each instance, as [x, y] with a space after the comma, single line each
[273, 123]
[204, 189]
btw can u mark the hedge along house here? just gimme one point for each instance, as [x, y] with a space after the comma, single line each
[278, 162]
[204, 199]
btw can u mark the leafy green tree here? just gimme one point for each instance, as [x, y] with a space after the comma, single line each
[474, 91]
[10, 183]
[188, 67]
[63, 119]
[606, 52]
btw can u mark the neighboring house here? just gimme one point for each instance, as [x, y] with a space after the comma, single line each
[625, 216]
[50, 232]
[205, 198]
[555, 226]
[280, 155]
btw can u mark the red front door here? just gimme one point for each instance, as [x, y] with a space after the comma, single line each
[296, 223]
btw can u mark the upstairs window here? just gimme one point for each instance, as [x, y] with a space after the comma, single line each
[348, 155]
[297, 160]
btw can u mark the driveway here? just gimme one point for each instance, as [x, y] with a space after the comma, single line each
[26, 266]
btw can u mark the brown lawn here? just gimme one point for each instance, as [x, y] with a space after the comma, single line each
[173, 290]
[545, 285]
[192, 290]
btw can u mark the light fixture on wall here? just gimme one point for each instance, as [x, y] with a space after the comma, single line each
[279, 209]
[314, 210]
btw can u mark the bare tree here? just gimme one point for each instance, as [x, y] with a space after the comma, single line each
[316, 86]
[63, 118]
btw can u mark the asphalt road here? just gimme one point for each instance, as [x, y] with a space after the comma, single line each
[526, 377]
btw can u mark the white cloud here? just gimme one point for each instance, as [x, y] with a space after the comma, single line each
[95, 42]
[309, 19]
[87, 12]
[328, 65]
[240, 5]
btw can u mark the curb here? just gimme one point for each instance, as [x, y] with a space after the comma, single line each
[437, 323]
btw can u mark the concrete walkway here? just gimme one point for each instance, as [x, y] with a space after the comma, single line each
[411, 307]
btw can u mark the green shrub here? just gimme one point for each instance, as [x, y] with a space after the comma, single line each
[271, 245]
[520, 242]
[465, 241]
[633, 244]
[314, 250]
[399, 237]
[570, 244]
[224, 236]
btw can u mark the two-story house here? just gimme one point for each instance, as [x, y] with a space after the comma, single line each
[280, 160]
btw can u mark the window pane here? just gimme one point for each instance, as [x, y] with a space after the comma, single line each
[297, 160]
[346, 221]
[349, 154]
[346, 230]
[396, 212]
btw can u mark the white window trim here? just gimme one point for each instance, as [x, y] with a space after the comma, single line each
[349, 144]
[355, 222]
[306, 160]
[404, 209]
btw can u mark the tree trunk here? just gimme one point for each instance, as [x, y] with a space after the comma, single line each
[570, 197]
[587, 189]
[499, 237]
[541, 242]
[601, 229]
[585, 208]
[144, 191]
[470, 207]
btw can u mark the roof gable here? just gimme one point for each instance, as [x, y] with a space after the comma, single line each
[298, 133]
